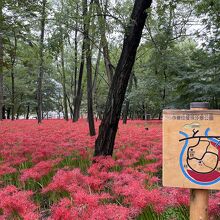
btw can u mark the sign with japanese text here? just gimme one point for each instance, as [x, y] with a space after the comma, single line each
[191, 149]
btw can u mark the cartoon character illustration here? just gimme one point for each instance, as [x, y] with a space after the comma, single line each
[200, 157]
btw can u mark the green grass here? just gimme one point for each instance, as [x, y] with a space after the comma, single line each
[47, 199]
[174, 213]
[75, 161]
[116, 168]
[10, 179]
[25, 165]
[142, 161]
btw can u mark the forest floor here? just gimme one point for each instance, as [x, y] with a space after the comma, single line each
[46, 172]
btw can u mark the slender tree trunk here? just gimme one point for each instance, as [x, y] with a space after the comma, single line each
[28, 112]
[64, 79]
[76, 54]
[1, 61]
[90, 96]
[104, 43]
[143, 112]
[3, 112]
[107, 131]
[77, 101]
[89, 68]
[12, 95]
[94, 86]
[19, 107]
[127, 102]
[74, 75]
[164, 88]
[18, 111]
[41, 68]
[70, 106]
[13, 59]
[8, 112]
[160, 115]
[126, 111]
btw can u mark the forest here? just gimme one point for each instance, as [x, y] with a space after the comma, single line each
[57, 55]
[84, 85]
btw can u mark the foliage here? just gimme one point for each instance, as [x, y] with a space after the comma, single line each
[180, 43]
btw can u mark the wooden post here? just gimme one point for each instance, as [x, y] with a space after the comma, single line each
[199, 197]
[199, 204]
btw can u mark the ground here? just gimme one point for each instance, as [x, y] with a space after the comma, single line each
[46, 172]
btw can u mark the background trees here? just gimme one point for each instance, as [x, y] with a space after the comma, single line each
[1, 59]
[177, 61]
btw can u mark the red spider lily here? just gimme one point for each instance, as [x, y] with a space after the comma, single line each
[127, 182]
[15, 201]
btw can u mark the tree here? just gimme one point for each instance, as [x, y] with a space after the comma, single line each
[1, 60]
[63, 72]
[209, 12]
[13, 55]
[74, 90]
[77, 101]
[41, 67]
[81, 48]
[16, 17]
[89, 68]
[78, 97]
[127, 102]
[107, 131]
[102, 28]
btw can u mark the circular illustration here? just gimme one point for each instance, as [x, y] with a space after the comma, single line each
[200, 157]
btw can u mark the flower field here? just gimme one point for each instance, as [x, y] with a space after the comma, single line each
[46, 172]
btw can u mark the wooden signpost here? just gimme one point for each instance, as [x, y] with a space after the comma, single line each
[191, 154]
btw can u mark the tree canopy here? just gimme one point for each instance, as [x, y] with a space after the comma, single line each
[177, 61]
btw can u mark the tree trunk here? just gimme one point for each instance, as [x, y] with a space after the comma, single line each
[107, 131]
[89, 97]
[89, 68]
[19, 107]
[94, 86]
[13, 59]
[125, 112]
[28, 112]
[3, 112]
[104, 43]
[76, 54]
[1, 61]
[77, 101]
[70, 106]
[12, 95]
[143, 112]
[8, 112]
[160, 115]
[63, 79]
[18, 111]
[41, 69]
[127, 102]
[164, 87]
